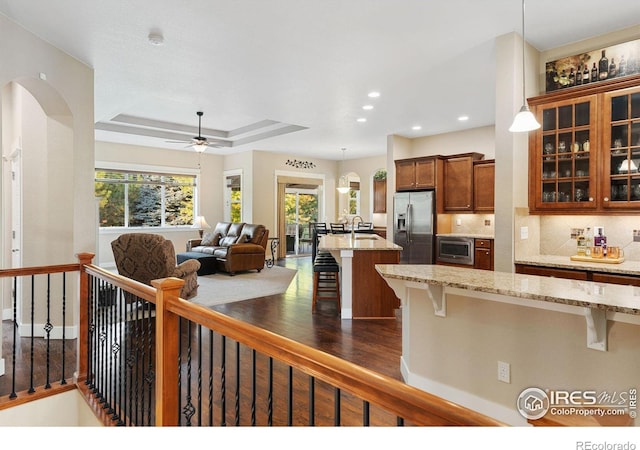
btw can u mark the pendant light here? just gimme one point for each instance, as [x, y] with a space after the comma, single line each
[524, 120]
[343, 182]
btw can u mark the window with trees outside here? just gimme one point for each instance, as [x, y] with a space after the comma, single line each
[354, 198]
[144, 199]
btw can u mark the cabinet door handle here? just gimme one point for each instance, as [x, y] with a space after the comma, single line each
[606, 199]
[590, 199]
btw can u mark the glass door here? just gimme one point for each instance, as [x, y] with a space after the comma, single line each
[301, 208]
[622, 149]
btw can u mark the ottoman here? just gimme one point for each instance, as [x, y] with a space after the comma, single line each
[207, 262]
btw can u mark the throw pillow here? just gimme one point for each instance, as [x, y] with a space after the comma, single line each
[227, 241]
[242, 239]
[210, 239]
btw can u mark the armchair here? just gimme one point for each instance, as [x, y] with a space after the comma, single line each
[144, 257]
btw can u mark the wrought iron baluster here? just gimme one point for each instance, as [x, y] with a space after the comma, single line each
[365, 413]
[15, 342]
[290, 397]
[253, 387]
[336, 407]
[270, 394]
[47, 330]
[200, 375]
[312, 401]
[63, 379]
[211, 353]
[32, 340]
[223, 382]
[237, 403]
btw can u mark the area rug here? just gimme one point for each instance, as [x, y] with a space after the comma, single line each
[222, 288]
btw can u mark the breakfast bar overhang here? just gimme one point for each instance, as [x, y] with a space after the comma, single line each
[459, 325]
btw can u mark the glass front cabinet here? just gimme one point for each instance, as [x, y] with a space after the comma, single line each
[621, 149]
[586, 155]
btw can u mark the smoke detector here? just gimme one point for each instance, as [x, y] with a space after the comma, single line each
[155, 38]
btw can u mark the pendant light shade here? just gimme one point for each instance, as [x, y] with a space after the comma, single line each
[343, 182]
[524, 120]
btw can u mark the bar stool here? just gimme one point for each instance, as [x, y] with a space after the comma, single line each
[326, 279]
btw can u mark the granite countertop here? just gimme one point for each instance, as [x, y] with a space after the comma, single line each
[605, 296]
[564, 262]
[362, 241]
[467, 235]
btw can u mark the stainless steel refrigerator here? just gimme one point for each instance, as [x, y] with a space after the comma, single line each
[413, 226]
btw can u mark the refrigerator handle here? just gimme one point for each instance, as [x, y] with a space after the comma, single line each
[409, 224]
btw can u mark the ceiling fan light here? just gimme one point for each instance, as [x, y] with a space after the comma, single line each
[201, 147]
[524, 121]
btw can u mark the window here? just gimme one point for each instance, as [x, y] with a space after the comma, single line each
[234, 198]
[354, 197]
[144, 199]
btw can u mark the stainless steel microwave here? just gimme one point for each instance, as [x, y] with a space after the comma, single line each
[455, 250]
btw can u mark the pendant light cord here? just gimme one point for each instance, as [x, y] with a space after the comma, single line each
[523, 49]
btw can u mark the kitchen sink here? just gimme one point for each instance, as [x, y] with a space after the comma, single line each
[371, 238]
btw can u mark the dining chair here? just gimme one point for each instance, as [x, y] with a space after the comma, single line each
[365, 225]
[337, 228]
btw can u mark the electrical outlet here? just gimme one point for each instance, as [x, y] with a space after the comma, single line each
[504, 372]
[524, 233]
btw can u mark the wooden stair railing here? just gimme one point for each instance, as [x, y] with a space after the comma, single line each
[410, 405]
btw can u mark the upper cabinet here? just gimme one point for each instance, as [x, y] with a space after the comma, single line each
[416, 173]
[585, 157]
[484, 176]
[458, 182]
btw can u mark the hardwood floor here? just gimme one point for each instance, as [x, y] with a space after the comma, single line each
[374, 344]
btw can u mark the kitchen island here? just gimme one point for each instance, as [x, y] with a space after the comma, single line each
[459, 325]
[364, 295]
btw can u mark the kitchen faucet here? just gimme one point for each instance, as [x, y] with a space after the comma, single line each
[353, 225]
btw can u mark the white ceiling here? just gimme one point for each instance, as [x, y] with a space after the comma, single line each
[297, 72]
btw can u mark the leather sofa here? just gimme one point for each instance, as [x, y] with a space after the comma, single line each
[237, 246]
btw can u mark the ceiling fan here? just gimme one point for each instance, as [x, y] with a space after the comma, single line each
[199, 143]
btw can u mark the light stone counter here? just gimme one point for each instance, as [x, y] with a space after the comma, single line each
[564, 262]
[362, 241]
[589, 294]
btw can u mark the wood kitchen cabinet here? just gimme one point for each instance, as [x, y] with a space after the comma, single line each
[458, 181]
[417, 173]
[484, 181]
[578, 274]
[379, 196]
[585, 157]
[483, 258]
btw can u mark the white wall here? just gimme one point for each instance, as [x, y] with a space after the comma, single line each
[56, 136]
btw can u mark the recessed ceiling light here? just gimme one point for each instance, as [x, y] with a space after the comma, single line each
[463, 118]
[416, 127]
[367, 107]
[362, 119]
[374, 94]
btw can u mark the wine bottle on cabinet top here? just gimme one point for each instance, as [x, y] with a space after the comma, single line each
[612, 69]
[603, 67]
[572, 78]
[585, 74]
[622, 67]
[579, 75]
[594, 73]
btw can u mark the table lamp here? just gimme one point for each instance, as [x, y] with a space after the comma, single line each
[200, 223]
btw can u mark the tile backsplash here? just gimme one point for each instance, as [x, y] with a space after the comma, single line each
[552, 235]
[473, 224]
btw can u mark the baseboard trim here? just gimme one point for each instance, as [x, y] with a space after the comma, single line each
[463, 398]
